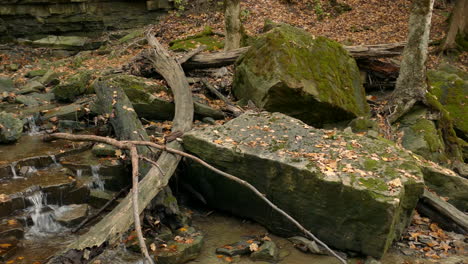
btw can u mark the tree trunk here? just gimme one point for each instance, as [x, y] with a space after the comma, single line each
[232, 24]
[458, 25]
[411, 85]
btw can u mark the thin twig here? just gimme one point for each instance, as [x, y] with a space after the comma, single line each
[154, 163]
[236, 110]
[131, 145]
[136, 215]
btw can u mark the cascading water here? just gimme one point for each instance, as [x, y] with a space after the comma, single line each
[52, 157]
[43, 221]
[33, 128]
[13, 171]
[79, 173]
[97, 182]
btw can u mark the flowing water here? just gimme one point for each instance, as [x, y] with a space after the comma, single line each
[13, 170]
[97, 181]
[33, 128]
[42, 216]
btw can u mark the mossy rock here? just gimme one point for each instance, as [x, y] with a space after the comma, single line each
[357, 193]
[35, 73]
[207, 38]
[73, 87]
[450, 86]
[142, 93]
[421, 135]
[10, 128]
[6, 84]
[313, 79]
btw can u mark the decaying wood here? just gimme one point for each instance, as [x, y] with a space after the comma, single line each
[166, 149]
[104, 207]
[141, 66]
[237, 111]
[191, 53]
[113, 225]
[445, 214]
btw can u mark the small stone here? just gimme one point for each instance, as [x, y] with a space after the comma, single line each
[73, 214]
[26, 100]
[238, 248]
[103, 150]
[209, 120]
[267, 252]
[49, 78]
[371, 260]
[10, 128]
[407, 251]
[6, 85]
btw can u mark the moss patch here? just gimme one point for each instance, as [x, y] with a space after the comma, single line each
[207, 38]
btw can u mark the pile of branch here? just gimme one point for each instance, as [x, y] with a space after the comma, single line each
[140, 65]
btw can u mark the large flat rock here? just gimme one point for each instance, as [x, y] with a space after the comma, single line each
[354, 192]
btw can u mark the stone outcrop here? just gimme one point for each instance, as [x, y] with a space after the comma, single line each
[356, 193]
[36, 19]
[313, 79]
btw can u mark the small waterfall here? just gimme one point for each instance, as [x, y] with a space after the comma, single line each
[97, 183]
[52, 157]
[13, 171]
[43, 221]
[79, 173]
[33, 128]
[31, 170]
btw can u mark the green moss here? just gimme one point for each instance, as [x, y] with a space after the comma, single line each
[370, 164]
[287, 69]
[374, 184]
[207, 38]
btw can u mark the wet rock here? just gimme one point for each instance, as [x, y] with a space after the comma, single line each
[238, 248]
[6, 85]
[72, 87]
[313, 79]
[359, 203]
[35, 73]
[11, 229]
[72, 214]
[67, 112]
[186, 248]
[8, 249]
[30, 87]
[10, 128]
[70, 125]
[306, 245]
[98, 198]
[448, 184]
[103, 150]
[266, 252]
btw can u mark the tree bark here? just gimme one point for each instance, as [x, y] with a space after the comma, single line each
[458, 25]
[113, 225]
[411, 85]
[232, 24]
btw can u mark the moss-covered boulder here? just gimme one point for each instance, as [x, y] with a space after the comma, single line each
[153, 101]
[6, 85]
[421, 135]
[208, 38]
[355, 192]
[313, 79]
[73, 86]
[10, 128]
[450, 86]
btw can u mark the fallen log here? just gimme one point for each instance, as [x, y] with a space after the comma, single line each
[113, 225]
[139, 65]
[446, 215]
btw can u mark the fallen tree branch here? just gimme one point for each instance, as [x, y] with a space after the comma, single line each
[237, 111]
[119, 220]
[117, 143]
[91, 217]
[190, 54]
